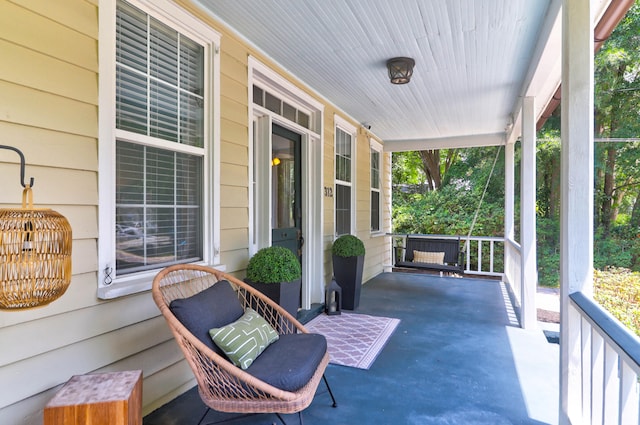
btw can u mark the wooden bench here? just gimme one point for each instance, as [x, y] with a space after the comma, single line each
[453, 262]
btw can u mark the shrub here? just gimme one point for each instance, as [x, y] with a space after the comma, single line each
[273, 264]
[348, 246]
[618, 291]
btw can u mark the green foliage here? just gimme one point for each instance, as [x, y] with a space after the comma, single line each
[548, 232]
[548, 175]
[617, 76]
[611, 251]
[274, 264]
[348, 246]
[448, 211]
[618, 291]
[406, 168]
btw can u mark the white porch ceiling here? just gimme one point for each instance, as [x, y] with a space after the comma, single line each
[475, 59]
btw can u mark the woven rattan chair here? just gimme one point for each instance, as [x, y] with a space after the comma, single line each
[223, 386]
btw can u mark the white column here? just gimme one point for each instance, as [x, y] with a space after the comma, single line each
[529, 270]
[509, 190]
[509, 207]
[576, 206]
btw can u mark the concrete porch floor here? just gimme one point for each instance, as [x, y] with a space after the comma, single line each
[457, 357]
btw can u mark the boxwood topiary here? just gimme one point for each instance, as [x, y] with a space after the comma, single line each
[273, 264]
[348, 246]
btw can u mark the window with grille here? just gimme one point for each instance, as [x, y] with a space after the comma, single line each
[157, 170]
[375, 190]
[159, 183]
[343, 195]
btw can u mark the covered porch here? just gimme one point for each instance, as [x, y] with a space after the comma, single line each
[457, 356]
[485, 75]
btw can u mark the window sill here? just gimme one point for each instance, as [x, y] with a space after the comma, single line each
[134, 284]
[378, 233]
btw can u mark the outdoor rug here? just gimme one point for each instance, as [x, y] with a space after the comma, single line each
[354, 340]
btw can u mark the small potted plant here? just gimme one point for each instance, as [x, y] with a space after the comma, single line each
[275, 271]
[348, 262]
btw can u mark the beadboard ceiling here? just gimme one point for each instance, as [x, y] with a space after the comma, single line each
[475, 59]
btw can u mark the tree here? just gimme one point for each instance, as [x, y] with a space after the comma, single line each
[617, 102]
[548, 170]
[434, 167]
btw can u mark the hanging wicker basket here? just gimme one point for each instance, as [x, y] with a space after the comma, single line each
[35, 255]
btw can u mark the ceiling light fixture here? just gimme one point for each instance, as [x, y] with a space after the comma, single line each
[400, 70]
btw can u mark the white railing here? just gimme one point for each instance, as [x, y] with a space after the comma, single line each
[513, 268]
[607, 390]
[483, 255]
[477, 262]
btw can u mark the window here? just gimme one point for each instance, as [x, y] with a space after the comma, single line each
[344, 192]
[375, 190]
[159, 144]
[274, 104]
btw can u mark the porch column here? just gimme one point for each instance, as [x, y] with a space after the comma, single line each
[509, 190]
[576, 206]
[509, 208]
[529, 270]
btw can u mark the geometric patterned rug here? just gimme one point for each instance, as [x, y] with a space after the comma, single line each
[353, 340]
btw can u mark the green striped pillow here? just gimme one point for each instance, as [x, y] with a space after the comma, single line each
[245, 339]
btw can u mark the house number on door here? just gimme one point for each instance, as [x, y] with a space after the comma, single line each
[328, 192]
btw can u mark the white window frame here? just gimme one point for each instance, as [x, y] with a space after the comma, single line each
[350, 129]
[109, 284]
[376, 147]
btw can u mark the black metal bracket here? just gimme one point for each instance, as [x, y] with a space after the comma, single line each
[22, 164]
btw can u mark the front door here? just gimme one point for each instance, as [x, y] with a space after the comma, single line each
[286, 193]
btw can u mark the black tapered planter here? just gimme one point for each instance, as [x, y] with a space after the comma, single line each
[348, 274]
[286, 294]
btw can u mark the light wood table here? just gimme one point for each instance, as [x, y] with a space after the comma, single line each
[98, 399]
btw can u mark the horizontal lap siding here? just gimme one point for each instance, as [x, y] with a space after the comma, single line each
[374, 245]
[49, 110]
[234, 178]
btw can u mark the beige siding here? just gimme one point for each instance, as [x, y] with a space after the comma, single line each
[79, 16]
[235, 154]
[24, 67]
[236, 259]
[55, 38]
[49, 148]
[48, 83]
[235, 175]
[328, 174]
[49, 88]
[32, 107]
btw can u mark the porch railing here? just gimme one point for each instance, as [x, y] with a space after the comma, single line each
[609, 366]
[513, 268]
[478, 260]
[483, 255]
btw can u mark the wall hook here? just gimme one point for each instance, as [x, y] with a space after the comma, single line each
[22, 161]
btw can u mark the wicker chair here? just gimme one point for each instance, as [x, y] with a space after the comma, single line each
[223, 386]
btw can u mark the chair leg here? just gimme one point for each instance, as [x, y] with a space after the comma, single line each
[204, 416]
[330, 392]
[283, 421]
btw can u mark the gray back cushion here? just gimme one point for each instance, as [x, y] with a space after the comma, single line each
[214, 307]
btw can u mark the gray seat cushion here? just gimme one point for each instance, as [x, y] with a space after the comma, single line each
[212, 308]
[290, 362]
